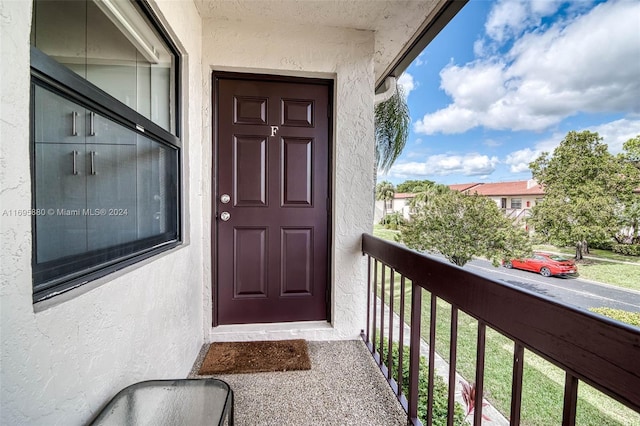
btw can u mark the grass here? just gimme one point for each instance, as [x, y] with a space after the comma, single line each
[440, 408]
[632, 318]
[543, 383]
[600, 268]
[381, 232]
[603, 254]
[620, 275]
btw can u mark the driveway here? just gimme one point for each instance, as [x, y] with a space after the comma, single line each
[570, 290]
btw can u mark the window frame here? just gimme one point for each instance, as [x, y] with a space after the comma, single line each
[53, 76]
[519, 200]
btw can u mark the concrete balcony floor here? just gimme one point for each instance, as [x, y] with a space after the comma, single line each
[343, 387]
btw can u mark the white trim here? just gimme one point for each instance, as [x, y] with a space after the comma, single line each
[128, 29]
[311, 330]
[389, 90]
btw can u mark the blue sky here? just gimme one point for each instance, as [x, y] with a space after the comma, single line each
[506, 80]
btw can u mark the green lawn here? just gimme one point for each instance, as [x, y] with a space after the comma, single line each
[604, 254]
[387, 234]
[598, 267]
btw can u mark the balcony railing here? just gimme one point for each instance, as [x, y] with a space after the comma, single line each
[587, 348]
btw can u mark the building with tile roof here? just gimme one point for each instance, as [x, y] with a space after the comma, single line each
[515, 198]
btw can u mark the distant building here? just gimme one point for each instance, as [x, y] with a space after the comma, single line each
[515, 198]
[400, 203]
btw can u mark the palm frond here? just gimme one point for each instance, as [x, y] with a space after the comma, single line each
[392, 121]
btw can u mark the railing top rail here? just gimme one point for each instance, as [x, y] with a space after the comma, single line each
[602, 352]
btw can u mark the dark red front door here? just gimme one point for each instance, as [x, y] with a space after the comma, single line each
[272, 229]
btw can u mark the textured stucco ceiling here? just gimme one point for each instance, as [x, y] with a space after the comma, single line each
[395, 22]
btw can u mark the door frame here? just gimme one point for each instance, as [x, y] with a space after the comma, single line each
[329, 83]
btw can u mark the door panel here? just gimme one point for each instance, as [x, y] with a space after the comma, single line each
[250, 110]
[273, 160]
[250, 247]
[250, 165]
[297, 112]
[297, 261]
[297, 172]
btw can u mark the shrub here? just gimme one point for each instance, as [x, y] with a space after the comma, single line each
[632, 318]
[393, 220]
[602, 245]
[440, 392]
[627, 249]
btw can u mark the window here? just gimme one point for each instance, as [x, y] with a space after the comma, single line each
[503, 203]
[104, 135]
[388, 205]
[112, 45]
[516, 203]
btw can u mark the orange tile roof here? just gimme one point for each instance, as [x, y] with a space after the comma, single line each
[518, 187]
[463, 186]
[402, 195]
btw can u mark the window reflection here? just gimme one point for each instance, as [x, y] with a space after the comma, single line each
[110, 43]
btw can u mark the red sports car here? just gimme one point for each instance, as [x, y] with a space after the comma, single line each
[544, 263]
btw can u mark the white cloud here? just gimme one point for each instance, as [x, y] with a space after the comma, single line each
[588, 64]
[614, 134]
[419, 61]
[508, 18]
[492, 143]
[407, 83]
[519, 160]
[472, 164]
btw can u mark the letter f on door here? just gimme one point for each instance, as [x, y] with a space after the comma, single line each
[274, 130]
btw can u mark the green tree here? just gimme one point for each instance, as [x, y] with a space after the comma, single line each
[461, 226]
[585, 188]
[414, 186]
[385, 191]
[392, 121]
[632, 151]
[629, 216]
[629, 223]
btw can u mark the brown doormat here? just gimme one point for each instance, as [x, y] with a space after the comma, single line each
[255, 357]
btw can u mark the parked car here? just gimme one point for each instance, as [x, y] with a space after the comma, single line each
[544, 263]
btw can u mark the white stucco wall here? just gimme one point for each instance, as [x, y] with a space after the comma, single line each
[60, 363]
[307, 51]
[524, 198]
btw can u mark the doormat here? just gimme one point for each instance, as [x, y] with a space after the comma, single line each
[256, 357]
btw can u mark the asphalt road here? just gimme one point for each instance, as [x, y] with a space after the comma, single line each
[570, 290]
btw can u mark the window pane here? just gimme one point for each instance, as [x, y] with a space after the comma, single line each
[112, 45]
[106, 191]
[59, 30]
[156, 191]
